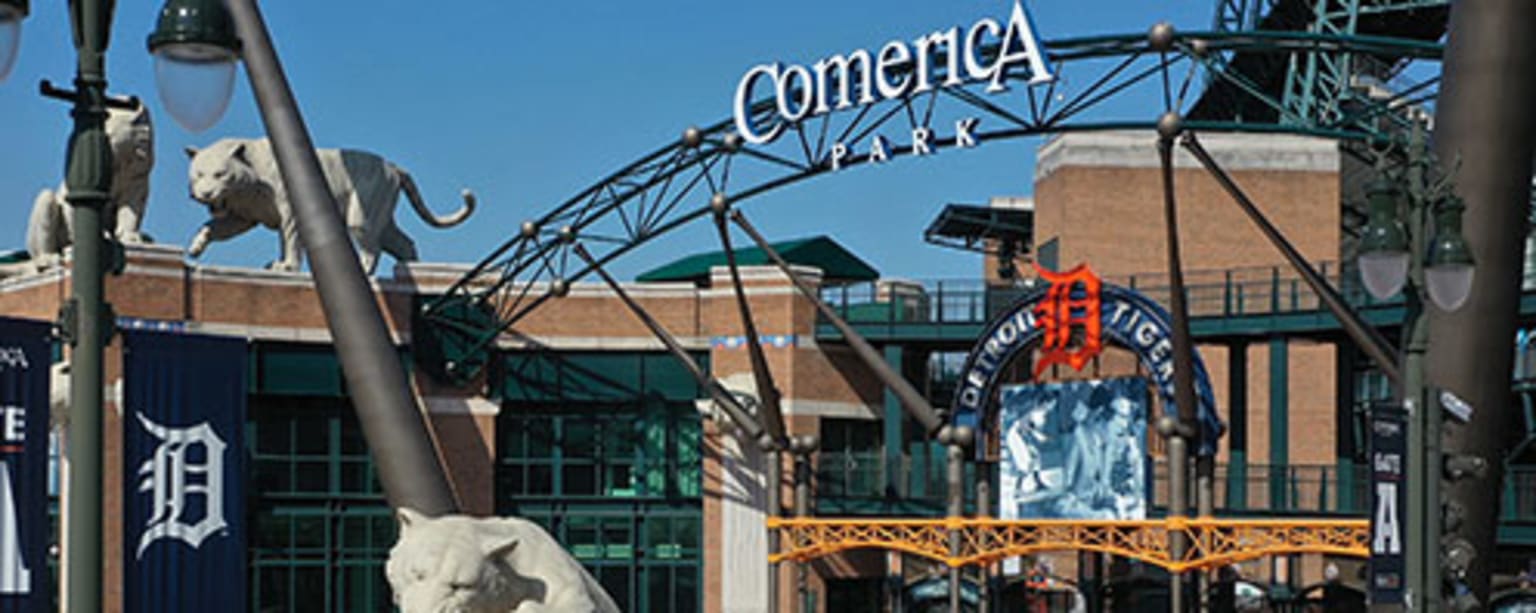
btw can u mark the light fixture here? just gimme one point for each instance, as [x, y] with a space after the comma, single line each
[1384, 246]
[1450, 270]
[12, 12]
[195, 51]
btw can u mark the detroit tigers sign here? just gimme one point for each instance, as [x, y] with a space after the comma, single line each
[1117, 316]
[176, 483]
[183, 494]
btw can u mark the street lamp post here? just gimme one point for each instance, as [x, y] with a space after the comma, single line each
[196, 46]
[1396, 258]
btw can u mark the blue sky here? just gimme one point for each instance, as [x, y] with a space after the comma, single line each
[528, 103]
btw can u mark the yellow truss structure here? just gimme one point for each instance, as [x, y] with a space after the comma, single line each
[1212, 542]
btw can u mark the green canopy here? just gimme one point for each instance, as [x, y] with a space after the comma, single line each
[836, 263]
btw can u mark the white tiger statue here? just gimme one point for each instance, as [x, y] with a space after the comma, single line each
[239, 181]
[131, 136]
[460, 564]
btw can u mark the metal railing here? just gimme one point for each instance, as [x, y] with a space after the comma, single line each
[1265, 290]
[1296, 488]
[843, 476]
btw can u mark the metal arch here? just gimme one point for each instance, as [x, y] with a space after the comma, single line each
[672, 185]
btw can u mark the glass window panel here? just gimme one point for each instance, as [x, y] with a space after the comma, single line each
[271, 531]
[361, 589]
[352, 441]
[354, 532]
[514, 439]
[312, 439]
[272, 590]
[273, 477]
[312, 477]
[686, 582]
[541, 437]
[658, 585]
[687, 533]
[622, 436]
[581, 529]
[272, 438]
[615, 580]
[511, 479]
[355, 477]
[309, 588]
[579, 480]
[580, 439]
[620, 480]
[309, 532]
[541, 479]
[657, 530]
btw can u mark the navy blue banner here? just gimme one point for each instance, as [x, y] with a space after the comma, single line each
[183, 473]
[1389, 503]
[25, 357]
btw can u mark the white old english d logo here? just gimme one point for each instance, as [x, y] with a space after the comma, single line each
[171, 480]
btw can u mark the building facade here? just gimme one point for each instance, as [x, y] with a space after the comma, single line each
[583, 423]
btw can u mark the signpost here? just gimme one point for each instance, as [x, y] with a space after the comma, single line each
[1389, 501]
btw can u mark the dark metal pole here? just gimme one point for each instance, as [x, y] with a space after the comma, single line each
[768, 394]
[1169, 126]
[910, 398]
[954, 441]
[1483, 119]
[1367, 338]
[770, 411]
[773, 483]
[88, 176]
[802, 447]
[398, 437]
[723, 397]
[984, 509]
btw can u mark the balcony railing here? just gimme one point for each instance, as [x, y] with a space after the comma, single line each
[1293, 489]
[1232, 292]
[854, 483]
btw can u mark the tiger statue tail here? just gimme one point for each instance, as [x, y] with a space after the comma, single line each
[420, 206]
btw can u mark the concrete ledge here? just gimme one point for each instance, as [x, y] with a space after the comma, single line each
[1234, 151]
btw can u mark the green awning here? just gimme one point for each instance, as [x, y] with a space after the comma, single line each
[836, 263]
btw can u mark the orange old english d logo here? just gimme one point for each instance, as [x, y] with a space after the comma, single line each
[1071, 304]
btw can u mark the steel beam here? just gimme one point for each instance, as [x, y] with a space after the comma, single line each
[770, 413]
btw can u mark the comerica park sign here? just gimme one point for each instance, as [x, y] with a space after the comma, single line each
[985, 52]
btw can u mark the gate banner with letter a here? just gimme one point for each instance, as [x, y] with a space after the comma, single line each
[1389, 500]
[25, 357]
[183, 473]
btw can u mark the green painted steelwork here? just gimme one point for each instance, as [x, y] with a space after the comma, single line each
[893, 427]
[835, 262]
[1279, 416]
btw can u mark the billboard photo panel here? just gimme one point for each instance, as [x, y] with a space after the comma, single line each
[1074, 450]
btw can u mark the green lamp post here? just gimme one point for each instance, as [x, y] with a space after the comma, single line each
[1397, 257]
